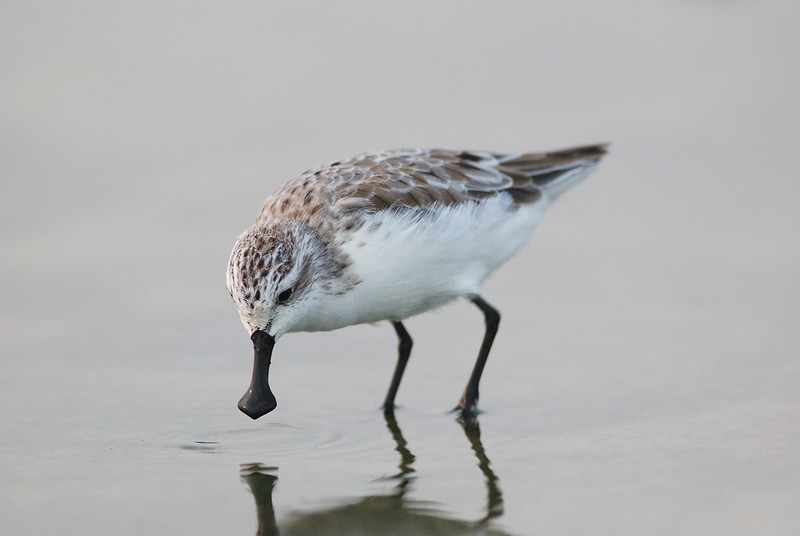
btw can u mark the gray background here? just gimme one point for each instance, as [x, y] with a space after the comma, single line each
[645, 379]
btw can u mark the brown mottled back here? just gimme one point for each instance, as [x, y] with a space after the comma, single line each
[419, 178]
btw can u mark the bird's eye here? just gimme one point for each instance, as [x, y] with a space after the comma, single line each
[284, 296]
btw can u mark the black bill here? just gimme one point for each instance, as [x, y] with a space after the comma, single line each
[259, 400]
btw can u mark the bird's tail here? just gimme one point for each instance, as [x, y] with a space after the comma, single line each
[555, 172]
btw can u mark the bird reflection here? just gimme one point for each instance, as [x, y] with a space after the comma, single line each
[494, 496]
[261, 483]
[381, 514]
[404, 475]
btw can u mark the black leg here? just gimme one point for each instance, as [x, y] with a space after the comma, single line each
[469, 401]
[404, 343]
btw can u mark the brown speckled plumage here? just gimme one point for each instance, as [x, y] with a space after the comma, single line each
[416, 178]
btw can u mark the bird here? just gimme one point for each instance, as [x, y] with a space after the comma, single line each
[385, 236]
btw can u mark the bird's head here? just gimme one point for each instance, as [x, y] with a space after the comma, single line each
[271, 277]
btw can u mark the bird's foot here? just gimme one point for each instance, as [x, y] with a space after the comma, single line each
[467, 413]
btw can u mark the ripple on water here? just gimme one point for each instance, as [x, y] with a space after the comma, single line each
[274, 438]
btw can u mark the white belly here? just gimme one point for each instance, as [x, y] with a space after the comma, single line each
[407, 265]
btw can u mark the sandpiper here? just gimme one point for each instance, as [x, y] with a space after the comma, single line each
[386, 236]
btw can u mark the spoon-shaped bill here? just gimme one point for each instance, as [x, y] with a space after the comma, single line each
[259, 400]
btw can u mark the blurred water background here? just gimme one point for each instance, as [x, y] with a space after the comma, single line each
[645, 379]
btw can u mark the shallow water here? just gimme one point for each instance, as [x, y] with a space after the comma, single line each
[645, 376]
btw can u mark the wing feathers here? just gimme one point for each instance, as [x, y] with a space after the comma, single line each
[419, 178]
